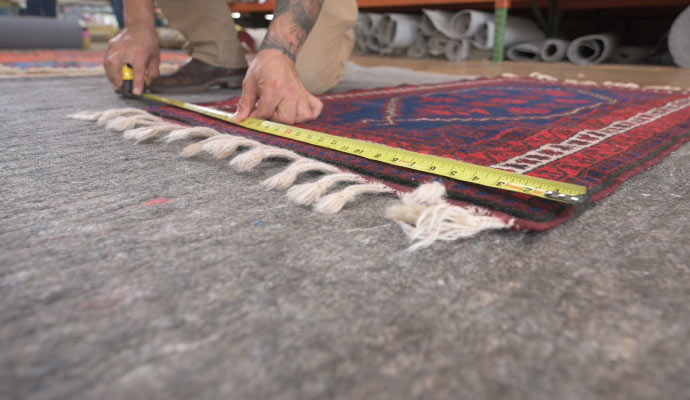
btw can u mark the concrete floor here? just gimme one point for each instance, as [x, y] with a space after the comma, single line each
[226, 290]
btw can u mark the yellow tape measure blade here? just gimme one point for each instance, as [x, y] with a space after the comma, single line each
[440, 166]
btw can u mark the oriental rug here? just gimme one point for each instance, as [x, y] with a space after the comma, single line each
[51, 63]
[577, 132]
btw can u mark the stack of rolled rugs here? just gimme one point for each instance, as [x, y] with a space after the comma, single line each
[585, 50]
[604, 47]
[456, 36]
[469, 34]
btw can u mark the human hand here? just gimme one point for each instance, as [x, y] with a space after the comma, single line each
[272, 90]
[138, 47]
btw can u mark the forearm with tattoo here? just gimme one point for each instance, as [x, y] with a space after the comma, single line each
[292, 22]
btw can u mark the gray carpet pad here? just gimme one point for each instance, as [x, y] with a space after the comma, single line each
[129, 272]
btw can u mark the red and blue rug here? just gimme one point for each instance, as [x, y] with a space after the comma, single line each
[596, 136]
[27, 63]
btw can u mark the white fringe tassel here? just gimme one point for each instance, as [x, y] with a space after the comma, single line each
[335, 202]
[422, 214]
[254, 157]
[286, 178]
[307, 194]
[223, 147]
[425, 217]
[121, 124]
[147, 133]
[195, 132]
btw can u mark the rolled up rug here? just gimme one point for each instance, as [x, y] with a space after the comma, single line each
[361, 44]
[437, 45]
[397, 31]
[518, 30]
[373, 45]
[359, 29]
[467, 23]
[457, 50]
[365, 39]
[360, 35]
[679, 39]
[369, 22]
[419, 48]
[441, 22]
[554, 50]
[527, 51]
[631, 54]
[369, 40]
[40, 33]
[592, 49]
[426, 25]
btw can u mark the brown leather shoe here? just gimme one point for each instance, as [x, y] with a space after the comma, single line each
[197, 76]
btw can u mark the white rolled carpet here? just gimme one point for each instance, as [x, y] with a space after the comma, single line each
[679, 39]
[437, 44]
[426, 24]
[369, 22]
[459, 25]
[457, 50]
[518, 30]
[25, 32]
[419, 48]
[467, 23]
[397, 31]
[592, 49]
[527, 51]
[554, 49]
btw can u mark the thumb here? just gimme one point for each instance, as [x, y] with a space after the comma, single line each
[316, 107]
[247, 100]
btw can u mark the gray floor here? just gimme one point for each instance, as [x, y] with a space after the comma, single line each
[229, 291]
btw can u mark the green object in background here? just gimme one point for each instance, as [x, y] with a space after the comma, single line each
[500, 19]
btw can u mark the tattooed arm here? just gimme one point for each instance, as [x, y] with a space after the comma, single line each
[292, 22]
[271, 89]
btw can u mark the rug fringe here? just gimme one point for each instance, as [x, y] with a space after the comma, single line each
[626, 85]
[307, 194]
[334, 202]
[110, 115]
[86, 115]
[286, 178]
[253, 157]
[422, 214]
[425, 217]
[121, 124]
[148, 133]
[195, 132]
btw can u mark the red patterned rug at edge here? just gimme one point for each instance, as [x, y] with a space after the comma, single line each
[27, 63]
[596, 136]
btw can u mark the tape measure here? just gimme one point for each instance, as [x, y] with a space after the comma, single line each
[446, 167]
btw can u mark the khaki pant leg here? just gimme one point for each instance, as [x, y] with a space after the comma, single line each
[209, 29]
[321, 62]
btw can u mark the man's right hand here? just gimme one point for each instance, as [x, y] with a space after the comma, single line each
[137, 47]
